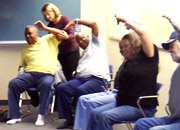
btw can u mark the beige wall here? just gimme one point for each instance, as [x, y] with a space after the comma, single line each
[10, 56]
[103, 14]
[150, 16]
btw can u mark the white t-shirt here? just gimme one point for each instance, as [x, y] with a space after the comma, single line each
[94, 60]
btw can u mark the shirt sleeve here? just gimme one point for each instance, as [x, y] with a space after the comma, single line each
[70, 30]
[21, 59]
[175, 23]
[52, 39]
[99, 40]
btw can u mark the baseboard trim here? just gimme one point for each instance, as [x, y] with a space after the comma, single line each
[5, 102]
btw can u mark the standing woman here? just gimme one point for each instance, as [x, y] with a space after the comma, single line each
[69, 48]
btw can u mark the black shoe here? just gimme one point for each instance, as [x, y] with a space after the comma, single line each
[68, 123]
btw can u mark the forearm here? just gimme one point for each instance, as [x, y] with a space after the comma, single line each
[175, 23]
[70, 32]
[90, 24]
[147, 44]
[52, 30]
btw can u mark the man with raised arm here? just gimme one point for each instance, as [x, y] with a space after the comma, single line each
[91, 72]
[39, 58]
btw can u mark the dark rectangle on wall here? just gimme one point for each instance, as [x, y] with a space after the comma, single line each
[15, 15]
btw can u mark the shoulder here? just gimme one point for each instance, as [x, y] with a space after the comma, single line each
[65, 18]
[47, 37]
[155, 52]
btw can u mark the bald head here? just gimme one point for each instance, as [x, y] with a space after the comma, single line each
[31, 34]
[83, 40]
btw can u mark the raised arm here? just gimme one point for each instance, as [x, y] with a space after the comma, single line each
[60, 34]
[92, 25]
[147, 44]
[174, 22]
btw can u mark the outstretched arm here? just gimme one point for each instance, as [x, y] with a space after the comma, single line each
[174, 22]
[119, 19]
[60, 34]
[147, 44]
[90, 24]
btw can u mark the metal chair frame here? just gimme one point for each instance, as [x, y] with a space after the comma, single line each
[128, 123]
[51, 98]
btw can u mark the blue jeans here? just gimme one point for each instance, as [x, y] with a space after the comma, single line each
[157, 123]
[75, 87]
[41, 81]
[87, 103]
[104, 117]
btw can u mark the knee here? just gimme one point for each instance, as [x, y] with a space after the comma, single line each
[104, 117]
[47, 83]
[12, 84]
[81, 91]
[139, 124]
[94, 114]
[82, 100]
[60, 88]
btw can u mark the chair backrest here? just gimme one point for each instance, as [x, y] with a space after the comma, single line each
[108, 83]
[128, 123]
[111, 67]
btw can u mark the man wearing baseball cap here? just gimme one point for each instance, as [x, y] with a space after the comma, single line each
[172, 121]
[173, 46]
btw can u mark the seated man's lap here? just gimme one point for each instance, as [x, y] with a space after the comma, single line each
[91, 86]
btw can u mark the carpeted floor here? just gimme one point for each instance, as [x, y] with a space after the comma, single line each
[51, 122]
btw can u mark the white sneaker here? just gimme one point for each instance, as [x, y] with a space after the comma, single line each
[40, 120]
[13, 121]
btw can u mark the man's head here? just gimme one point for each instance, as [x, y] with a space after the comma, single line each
[83, 40]
[174, 38]
[173, 46]
[31, 34]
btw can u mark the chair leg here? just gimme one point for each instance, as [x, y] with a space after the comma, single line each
[53, 103]
[129, 126]
[26, 95]
[20, 101]
[23, 112]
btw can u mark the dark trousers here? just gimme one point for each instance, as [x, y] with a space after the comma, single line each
[69, 63]
[75, 87]
[41, 81]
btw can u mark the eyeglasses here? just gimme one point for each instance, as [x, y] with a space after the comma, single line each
[124, 46]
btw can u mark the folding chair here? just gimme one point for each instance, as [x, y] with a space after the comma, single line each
[59, 77]
[167, 110]
[25, 112]
[128, 123]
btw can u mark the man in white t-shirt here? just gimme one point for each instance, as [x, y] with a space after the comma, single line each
[91, 72]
